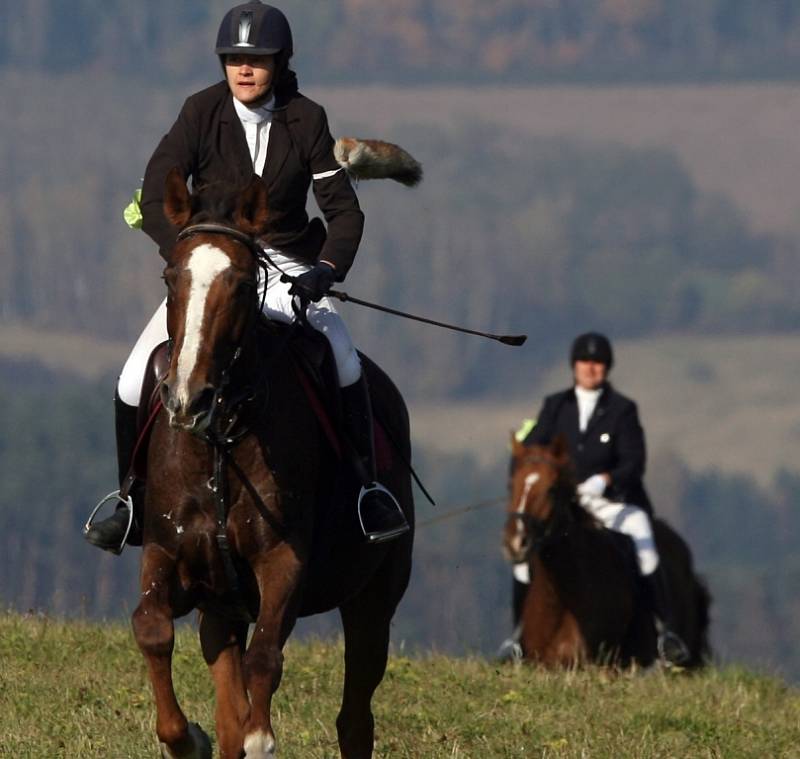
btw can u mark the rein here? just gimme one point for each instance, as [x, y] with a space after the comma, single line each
[224, 439]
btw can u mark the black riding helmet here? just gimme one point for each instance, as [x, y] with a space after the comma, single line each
[592, 346]
[254, 28]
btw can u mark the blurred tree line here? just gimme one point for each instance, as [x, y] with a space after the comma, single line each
[446, 40]
[56, 461]
[508, 233]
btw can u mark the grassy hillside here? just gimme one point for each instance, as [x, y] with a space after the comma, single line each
[74, 689]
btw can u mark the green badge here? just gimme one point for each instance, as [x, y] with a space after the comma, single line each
[133, 211]
[524, 429]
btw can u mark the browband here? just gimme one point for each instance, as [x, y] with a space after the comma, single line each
[222, 229]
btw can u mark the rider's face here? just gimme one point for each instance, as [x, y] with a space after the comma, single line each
[250, 76]
[589, 374]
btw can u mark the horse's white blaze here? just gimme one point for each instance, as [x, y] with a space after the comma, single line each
[205, 264]
[259, 745]
[530, 481]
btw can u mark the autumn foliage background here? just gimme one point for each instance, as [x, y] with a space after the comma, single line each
[622, 165]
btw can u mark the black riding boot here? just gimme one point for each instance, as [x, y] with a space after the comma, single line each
[380, 515]
[511, 649]
[109, 534]
[671, 648]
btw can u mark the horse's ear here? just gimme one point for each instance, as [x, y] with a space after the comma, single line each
[177, 201]
[251, 208]
[560, 449]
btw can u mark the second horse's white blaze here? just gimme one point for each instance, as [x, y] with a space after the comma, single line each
[530, 481]
[205, 264]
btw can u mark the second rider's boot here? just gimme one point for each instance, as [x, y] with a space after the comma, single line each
[671, 648]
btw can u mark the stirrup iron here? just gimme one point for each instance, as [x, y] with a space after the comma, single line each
[116, 496]
[380, 537]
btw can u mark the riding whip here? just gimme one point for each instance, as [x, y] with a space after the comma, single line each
[505, 339]
[514, 340]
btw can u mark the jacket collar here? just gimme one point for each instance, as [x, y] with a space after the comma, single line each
[233, 134]
[280, 141]
[601, 407]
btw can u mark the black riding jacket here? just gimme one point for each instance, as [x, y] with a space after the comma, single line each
[613, 441]
[208, 144]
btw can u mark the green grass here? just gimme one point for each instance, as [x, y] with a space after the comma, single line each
[80, 690]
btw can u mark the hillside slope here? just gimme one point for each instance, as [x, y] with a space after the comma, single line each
[736, 139]
[727, 403]
[73, 689]
[715, 402]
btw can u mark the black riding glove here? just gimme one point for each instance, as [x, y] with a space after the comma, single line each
[315, 283]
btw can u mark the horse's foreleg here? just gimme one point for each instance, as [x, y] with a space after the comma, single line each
[277, 574]
[222, 642]
[154, 631]
[365, 620]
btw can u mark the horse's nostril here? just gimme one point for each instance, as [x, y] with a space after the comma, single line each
[202, 401]
[166, 397]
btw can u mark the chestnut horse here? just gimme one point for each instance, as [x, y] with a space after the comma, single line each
[585, 602]
[249, 515]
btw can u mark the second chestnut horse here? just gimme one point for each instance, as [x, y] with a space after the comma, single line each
[585, 602]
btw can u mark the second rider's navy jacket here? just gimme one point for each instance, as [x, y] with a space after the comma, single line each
[613, 441]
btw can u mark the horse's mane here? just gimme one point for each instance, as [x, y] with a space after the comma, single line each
[215, 201]
[565, 500]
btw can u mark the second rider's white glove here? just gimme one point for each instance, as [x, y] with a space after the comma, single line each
[594, 486]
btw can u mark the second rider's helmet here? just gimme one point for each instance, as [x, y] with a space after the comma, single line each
[254, 28]
[592, 346]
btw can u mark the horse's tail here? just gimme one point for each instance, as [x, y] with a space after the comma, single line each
[703, 654]
[376, 159]
[694, 600]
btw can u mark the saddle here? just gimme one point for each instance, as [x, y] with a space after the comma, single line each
[625, 545]
[315, 367]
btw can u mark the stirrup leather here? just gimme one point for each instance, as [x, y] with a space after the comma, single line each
[380, 537]
[115, 495]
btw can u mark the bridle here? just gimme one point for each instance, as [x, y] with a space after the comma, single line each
[226, 407]
[540, 532]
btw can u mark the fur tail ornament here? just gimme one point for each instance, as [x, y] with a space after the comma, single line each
[375, 159]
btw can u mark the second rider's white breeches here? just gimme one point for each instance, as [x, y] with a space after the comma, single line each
[322, 316]
[630, 520]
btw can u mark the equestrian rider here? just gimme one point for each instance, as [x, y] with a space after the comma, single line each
[257, 121]
[607, 447]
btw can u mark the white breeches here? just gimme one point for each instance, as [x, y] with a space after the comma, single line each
[322, 316]
[630, 520]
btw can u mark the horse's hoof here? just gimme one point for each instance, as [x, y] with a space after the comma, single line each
[259, 745]
[201, 745]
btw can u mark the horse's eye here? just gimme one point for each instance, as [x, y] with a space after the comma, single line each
[169, 280]
[244, 289]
